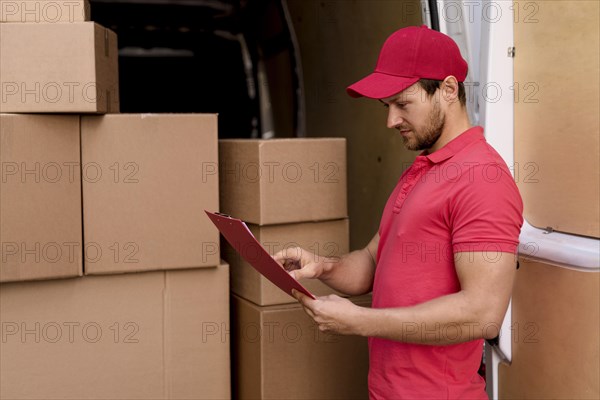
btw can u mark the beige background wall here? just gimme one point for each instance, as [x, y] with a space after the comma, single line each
[557, 128]
[339, 43]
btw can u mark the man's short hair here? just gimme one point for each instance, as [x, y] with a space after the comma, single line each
[430, 86]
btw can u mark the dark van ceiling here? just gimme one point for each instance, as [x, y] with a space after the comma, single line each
[199, 56]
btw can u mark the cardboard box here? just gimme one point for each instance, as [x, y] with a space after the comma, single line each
[44, 11]
[133, 336]
[40, 197]
[279, 353]
[280, 181]
[326, 239]
[147, 179]
[58, 68]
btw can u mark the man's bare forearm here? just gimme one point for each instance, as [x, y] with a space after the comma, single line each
[351, 274]
[446, 320]
[475, 312]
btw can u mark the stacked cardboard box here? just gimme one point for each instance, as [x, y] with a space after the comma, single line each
[87, 195]
[51, 66]
[147, 179]
[291, 192]
[132, 336]
[40, 197]
[279, 353]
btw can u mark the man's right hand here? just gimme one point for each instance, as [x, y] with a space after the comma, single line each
[351, 273]
[300, 263]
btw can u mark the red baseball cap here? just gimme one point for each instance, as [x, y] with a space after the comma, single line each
[408, 55]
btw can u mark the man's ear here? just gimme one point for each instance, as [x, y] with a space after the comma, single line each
[449, 89]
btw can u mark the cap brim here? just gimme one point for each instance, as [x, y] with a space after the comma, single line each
[379, 85]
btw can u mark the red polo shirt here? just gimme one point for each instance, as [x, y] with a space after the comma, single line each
[460, 198]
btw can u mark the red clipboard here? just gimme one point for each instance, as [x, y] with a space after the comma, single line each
[243, 241]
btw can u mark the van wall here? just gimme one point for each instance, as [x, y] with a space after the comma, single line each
[555, 342]
[557, 124]
[555, 310]
[339, 43]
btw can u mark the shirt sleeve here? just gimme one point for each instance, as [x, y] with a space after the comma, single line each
[486, 210]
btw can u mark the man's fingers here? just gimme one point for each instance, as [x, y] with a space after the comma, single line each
[296, 274]
[280, 257]
[291, 265]
[303, 299]
[309, 312]
[297, 295]
[305, 302]
[306, 272]
[328, 327]
[289, 258]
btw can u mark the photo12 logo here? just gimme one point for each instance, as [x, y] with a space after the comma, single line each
[267, 332]
[275, 171]
[69, 171]
[43, 11]
[50, 92]
[488, 11]
[28, 253]
[69, 332]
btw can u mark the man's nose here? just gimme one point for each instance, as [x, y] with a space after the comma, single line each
[394, 119]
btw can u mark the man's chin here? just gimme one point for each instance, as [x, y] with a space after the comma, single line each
[410, 144]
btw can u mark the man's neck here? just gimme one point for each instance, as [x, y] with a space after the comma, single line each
[453, 128]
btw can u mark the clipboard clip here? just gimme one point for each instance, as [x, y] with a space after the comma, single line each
[223, 215]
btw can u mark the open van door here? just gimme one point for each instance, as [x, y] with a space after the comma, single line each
[534, 78]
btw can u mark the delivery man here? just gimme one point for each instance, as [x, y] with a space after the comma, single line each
[442, 265]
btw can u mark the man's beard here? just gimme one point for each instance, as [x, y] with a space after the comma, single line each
[425, 138]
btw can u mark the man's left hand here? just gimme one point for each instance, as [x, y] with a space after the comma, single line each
[332, 314]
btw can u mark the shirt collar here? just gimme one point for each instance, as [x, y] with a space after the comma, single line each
[469, 136]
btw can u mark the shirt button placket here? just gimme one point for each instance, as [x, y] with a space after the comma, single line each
[417, 169]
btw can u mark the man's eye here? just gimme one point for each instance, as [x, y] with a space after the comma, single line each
[401, 105]
[386, 105]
